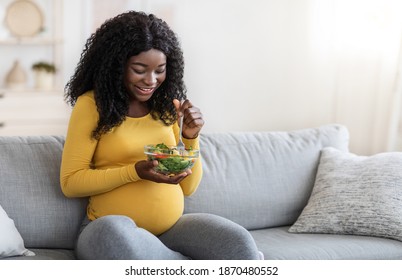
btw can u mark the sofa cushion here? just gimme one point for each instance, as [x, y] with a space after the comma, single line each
[359, 195]
[279, 244]
[48, 254]
[30, 192]
[261, 179]
[11, 242]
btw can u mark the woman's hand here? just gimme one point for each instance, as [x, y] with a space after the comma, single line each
[192, 121]
[145, 170]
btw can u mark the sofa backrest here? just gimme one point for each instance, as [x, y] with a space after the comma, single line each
[30, 192]
[261, 179]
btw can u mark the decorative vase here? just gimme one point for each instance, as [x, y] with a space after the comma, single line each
[16, 78]
[43, 79]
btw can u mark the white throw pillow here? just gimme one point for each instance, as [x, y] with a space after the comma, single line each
[11, 243]
[359, 195]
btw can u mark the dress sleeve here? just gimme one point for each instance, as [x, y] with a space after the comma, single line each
[190, 184]
[77, 177]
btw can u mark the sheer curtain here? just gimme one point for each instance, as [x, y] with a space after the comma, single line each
[359, 42]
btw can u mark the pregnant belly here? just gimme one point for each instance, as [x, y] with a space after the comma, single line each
[154, 207]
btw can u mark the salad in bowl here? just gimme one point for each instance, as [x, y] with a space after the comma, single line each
[171, 161]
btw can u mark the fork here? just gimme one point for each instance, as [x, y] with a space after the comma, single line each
[180, 144]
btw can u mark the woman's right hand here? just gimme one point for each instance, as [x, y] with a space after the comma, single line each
[145, 170]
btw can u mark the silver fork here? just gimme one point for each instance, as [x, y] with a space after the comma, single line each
[180, 144]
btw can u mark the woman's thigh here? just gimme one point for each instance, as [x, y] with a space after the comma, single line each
[117, 237]
[206, 236]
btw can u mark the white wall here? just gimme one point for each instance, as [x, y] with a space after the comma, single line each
[276, 64]
[242, 68]
[74, 35]
[281, 65]
[247, 69]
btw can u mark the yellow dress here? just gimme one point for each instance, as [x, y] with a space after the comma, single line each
[104, 169]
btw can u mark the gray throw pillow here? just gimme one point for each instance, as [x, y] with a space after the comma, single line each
[358, 195]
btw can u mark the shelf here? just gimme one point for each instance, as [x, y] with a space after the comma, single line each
[29, 91]
[47, 45]
[30, 112]
[29, 130]
[30, 41]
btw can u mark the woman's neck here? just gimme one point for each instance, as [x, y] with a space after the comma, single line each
[137, 109]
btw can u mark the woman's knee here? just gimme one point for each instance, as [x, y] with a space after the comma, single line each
[211, 237]
[109, 226]
[104, 237]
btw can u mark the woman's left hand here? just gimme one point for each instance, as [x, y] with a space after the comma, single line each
[192, 121]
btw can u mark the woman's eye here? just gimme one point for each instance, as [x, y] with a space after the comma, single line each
[142, 71]
[137, 71]
[160, 71]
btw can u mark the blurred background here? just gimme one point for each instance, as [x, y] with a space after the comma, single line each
[252, 65]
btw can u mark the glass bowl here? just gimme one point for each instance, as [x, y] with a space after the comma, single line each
[171, 161]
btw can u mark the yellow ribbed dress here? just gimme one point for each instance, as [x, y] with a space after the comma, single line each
[104, 169]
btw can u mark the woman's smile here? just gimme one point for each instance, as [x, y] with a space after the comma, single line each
[144, 90]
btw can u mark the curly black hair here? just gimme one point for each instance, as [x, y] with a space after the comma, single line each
[102, 63]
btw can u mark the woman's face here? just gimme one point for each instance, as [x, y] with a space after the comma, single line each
[144, 73]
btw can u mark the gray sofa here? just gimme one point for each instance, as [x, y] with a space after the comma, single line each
[260, 180]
